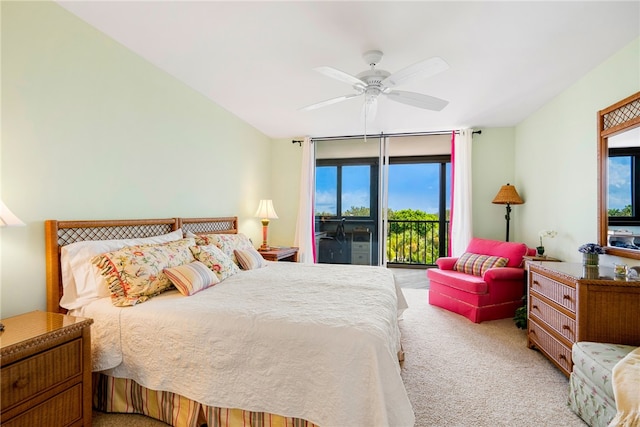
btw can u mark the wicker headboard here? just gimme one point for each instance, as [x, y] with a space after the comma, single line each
[61, 233]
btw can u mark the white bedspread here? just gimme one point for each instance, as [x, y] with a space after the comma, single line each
[318, 342]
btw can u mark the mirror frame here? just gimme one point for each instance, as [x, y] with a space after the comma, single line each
[617, 118]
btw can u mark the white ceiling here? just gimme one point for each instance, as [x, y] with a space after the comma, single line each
[256, 59]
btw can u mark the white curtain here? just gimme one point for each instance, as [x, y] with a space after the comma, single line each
[305, 233]
[461, 226]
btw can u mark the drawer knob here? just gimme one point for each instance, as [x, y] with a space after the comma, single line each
[535, 282]
[566, 327]
[566, 297]
[21, 382]
[562, 356]
[534, 307]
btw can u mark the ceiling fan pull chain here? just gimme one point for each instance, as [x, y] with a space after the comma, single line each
[365, 118]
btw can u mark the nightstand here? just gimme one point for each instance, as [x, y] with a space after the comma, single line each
[45, 370]
[281, 254]
[540, 258]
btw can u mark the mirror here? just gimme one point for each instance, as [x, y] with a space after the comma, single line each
[619, 144]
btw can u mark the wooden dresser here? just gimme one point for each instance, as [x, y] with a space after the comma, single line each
[568, 303]
[45, 370]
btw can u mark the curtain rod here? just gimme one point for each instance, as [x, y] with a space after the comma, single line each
[331, 138]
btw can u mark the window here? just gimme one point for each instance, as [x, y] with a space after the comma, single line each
[326, 191]
[346, 187]
[356, 190]
[623, 186]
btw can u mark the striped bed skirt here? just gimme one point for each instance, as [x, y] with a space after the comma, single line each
[122, 395]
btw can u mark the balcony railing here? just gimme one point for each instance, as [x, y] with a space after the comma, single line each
[416, 242]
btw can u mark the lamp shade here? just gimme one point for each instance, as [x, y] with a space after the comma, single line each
[8, 218]
[266, 210]
[507, 196]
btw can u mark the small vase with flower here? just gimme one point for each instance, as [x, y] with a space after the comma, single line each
[591, 254]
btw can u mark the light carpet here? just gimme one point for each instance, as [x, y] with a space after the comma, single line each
[458, 373]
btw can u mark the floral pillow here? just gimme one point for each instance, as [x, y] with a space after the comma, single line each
[191, 278]
[477, 264]
[136, 273]
[249, 259]
[216, 260]
[227, 242]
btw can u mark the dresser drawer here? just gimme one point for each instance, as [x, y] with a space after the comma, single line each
[28, 377]
[61, 410]
[360, 258]
[560, 322]
[360, 246]
[554, 349]
[555, 291]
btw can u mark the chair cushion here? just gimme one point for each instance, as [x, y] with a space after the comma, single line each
[595, 361]
[457, 280]
[512, 250]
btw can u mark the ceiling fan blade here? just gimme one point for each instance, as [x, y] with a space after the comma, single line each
[423, 69]
[341, 76]
[417, 100]
[330, 101]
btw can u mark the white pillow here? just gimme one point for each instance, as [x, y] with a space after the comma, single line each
[81, 280]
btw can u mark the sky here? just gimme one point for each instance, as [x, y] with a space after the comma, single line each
[411, 186]
[619, 182]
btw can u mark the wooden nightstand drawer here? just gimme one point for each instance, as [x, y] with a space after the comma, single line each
[45, 370]
[24, 379]
[561, 323]
[61, 410]
[555, 291]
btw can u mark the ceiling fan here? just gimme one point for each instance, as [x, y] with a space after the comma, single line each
[374, 82]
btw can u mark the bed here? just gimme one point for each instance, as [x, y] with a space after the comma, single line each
[275, 344]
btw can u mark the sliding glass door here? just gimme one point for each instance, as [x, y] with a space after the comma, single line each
[418, 209]
[346, 201]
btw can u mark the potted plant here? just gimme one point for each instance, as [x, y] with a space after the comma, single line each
[544, 233]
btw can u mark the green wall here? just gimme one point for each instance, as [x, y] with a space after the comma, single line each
[556, 156]
[90, 130]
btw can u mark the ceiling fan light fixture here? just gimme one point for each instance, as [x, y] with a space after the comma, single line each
[373, 82]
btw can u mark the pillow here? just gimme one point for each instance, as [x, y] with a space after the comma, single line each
[189, 233]
[249, 259]
[191, 278]
[81, 281]
[136, 273]
[216, 260]
[227, 242]
[477, 264]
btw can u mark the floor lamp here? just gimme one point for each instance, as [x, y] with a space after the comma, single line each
[508, 196]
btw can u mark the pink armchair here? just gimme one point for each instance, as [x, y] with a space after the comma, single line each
[489, 294]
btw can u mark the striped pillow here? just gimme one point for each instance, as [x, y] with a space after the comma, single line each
[477, 264]
[191, 278]
[249, 259]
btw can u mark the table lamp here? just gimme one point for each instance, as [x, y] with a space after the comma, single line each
[265, 212]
